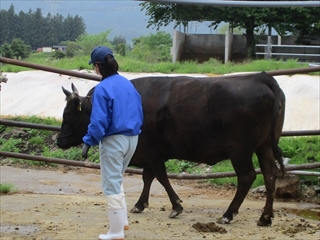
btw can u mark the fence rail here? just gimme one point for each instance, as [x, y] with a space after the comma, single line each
[139, 171]
[12, 123]
[268, 51]
[290, 169]
[97, 78]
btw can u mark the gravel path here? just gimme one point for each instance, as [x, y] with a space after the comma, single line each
[68, 204]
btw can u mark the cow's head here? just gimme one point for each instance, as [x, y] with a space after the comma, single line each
[76, 118]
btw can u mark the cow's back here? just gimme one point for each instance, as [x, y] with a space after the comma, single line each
[203, 119]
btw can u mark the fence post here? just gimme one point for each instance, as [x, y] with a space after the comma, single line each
[228, 46]
[279, 39]
[269, 48]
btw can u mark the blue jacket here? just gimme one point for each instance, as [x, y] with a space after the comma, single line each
[116, 109]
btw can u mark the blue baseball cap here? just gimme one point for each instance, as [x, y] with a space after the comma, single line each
[99, 53]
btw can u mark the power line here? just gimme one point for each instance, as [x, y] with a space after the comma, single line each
[243, 3]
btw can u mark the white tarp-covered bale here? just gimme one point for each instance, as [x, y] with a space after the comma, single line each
[39, 93]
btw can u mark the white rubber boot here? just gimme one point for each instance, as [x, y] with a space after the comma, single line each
[124, 203]
[116, 218]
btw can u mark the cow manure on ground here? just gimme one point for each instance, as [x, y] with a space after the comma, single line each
[209, 227]
[305, 226]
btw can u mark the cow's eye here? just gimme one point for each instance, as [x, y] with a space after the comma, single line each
[66, 117]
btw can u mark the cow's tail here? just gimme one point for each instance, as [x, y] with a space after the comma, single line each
[274, 86]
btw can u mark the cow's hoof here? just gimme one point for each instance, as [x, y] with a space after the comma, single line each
[135, 210]
[264, 221]
[175, 213]
[223, 220]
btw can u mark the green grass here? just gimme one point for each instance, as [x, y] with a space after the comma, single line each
[179, 166]
[7, 188]
[37, 120]
[128, 64]
[39, 142]
[36, 140]
[11, 145]
[300, 150]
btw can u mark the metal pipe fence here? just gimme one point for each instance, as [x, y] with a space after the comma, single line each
[131, 170]
[12, 123]
[86, 164]
[139, 171]
[298, 51]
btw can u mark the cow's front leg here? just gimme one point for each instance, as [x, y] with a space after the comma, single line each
[143, 201]
[161, 175]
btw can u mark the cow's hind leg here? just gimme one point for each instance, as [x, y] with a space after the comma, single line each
[246, 175]
[269, 170]
[143, 201]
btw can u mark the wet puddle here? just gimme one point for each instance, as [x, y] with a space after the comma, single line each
[23, 230]
[312, 213]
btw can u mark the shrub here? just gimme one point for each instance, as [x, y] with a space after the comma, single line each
[59, 55]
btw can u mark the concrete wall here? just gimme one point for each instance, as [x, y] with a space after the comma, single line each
[202, 47]
[239, 48]
[178, 45]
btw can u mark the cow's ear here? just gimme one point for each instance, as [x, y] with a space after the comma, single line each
[66, 92]
[74, 89]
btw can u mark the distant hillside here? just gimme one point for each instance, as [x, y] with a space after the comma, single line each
[124, 18]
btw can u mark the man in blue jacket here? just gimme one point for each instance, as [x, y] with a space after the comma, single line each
[115, 124]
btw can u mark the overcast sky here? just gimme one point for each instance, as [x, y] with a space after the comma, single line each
[124, 18]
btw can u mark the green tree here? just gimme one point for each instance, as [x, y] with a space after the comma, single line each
[36, 30]
[73, 27]
[79, 27]
[59, 55]
[5, 29]
[88, 42]
[301, 22]
[250, 19]
[19, 48]
[68, 27]
[72, 49]
[51, 33]
[119, 44]
[22, 28]
[153, 48]
[6, 50]
[12, 19]
[222, 29]
[58, 28]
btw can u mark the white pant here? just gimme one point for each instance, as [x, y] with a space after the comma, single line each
[116, 152]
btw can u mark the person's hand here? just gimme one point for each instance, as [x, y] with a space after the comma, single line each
[85, 150]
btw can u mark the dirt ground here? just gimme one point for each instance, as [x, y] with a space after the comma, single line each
[67, 203]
